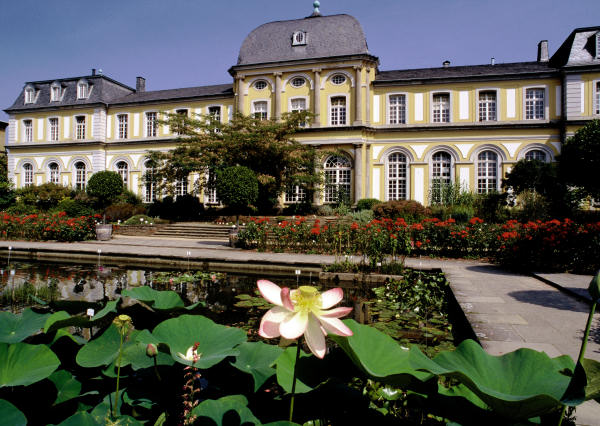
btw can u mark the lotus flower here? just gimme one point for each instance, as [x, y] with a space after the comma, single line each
[303, 311]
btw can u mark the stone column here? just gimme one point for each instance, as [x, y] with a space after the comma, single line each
[368, 100]
[358, 96]
[317, 98]
[277, 95]
[358, 172]
[240, 94]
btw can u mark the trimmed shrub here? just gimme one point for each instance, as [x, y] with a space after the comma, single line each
[366, 203]
[105, 186]
[139, 219]
[22, 209]
[187, 207]
[461, 213]
[74, 208]
[492, 207]
[237, 187]
[409, 210]
[43, 197]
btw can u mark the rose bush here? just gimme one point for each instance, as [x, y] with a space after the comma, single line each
[43, 227]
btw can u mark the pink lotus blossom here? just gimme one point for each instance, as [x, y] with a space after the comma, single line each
[303, 311]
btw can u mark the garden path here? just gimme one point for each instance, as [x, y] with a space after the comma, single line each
[506, 310]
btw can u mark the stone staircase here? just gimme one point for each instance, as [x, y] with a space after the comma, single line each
[196, 231]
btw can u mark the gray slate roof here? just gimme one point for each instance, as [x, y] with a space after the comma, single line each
[467, 71]
[102, 90]
[327, 36]
[579, 49]
[218, 90]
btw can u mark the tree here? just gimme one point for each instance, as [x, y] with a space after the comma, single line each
[579, 161]
[237, 188]
[105, 186]
[264, 146]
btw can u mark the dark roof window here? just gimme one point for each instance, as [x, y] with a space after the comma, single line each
[299, 38]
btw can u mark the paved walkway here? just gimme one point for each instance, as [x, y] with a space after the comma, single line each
[506, 310]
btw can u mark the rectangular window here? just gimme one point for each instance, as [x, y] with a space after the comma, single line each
[80, 127]
[597, 99]
[295, 194]
[82, 91]
[181, 186]
[29, 96]
[441, 108]
[215, 113]
[487, 106]
[55, 93]
[28, 130]
[534, 104]
[151, 125]
[338, 111]
[397, 109]
[123, 122]
[180, 127]
[53, 124]
[260, 110]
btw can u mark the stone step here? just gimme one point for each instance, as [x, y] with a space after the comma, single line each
[195, 231]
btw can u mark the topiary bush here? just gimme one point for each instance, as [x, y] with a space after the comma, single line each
[105, 186]
[366, 204]
[237, 187]
[409, 210]
[187, 207]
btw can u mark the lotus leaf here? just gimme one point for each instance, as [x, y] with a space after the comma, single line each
[22, 364]
[216, 342]
[67, 386]
[16, 327]
[308, 374]
[256, 358]
[81, 418]
[159, 300]
[222, 410]
[11, 415]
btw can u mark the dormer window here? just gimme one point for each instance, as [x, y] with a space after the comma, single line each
[29, 95]
[598, 45]
[82, 89]
[55, 92]
[299, 38]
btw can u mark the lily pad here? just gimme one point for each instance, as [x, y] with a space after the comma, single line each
[67, 386]
[11, 415]
[17, 327]
[221, 410]
[257, 358]
[160, 300]
[518, 385]
[22, 364]
[215, 342]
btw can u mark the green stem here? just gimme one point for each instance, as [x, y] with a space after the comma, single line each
[156, 369]
[294, 381]
[581, 351]
[118, 376]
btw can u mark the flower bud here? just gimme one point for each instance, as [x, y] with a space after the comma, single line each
[151, 350]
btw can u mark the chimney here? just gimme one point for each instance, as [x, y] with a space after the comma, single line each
[93, 71]
[493, 61]
[446, 64]
[140, 84]
[542, 51]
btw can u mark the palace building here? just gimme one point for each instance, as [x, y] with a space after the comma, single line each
[396, 131]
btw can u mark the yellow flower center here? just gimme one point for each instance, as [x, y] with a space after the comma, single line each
[307, 299]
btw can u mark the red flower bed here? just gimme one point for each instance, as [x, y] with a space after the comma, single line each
[47, 227]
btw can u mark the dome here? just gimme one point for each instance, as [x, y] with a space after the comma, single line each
[308, 38]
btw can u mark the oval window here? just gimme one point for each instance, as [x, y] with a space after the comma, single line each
[338, 79]
[260, 85]
[298, 82]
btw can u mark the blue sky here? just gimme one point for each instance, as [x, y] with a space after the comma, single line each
[182, 43]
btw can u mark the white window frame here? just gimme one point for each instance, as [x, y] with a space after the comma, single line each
[210, 193]
[598, 45]
[54, 173]
[27, 136]
[496, 175]
[122, 132]
[389, 107]
[430, 161]
[530, 153]
[53, 136]
[55, 87]
[83, 89]
[328, 193]
[536, 146]
[299, 38]
[78, 126]
[79, 183]
[155, 124]
[28, 174]
[268, 101]
[546, 102]
[431, 109]
[329, 108]
[260, 80]
[182, 186]
[148, 188]
[29, 95]
[338, 74]
[122, 171]
[298, 77]
[219, 115]
[596, 90]
[478, 93]
[295, 194]
[406, 178]
[295, 98]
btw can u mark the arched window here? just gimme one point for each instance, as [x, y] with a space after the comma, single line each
[80, 175]
[338, 172]
[487, 172]
[536, 154]
[123, 171]
[27, 174]
[441, 175]
[396, 176]
[149, 188]
[53, 175]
